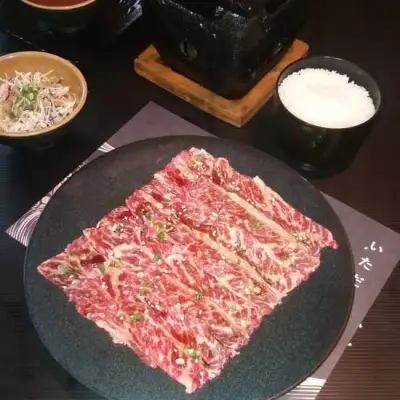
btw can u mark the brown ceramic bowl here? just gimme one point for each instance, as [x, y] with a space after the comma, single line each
[64, 15]
[32, 61]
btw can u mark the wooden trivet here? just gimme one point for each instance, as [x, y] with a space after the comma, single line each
[236, 112]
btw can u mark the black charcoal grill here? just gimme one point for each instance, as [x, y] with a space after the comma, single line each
[226, 46]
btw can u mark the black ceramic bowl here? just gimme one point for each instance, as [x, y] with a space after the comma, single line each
[65, 16]
[315, 149]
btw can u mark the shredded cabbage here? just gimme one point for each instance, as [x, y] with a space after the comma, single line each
[31, 101]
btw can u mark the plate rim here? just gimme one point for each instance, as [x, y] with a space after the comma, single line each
[206, 138]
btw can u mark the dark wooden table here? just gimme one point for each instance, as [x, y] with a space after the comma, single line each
[362, 31]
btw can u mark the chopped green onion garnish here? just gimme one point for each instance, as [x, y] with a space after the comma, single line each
[136, 317]
[256, 225]
[143, 289]
[191, 352]
[157, 257]
[234, 308]
[145, 213]
[114, 264]
[64, 270]
[161, 232]
[101, 267]
[199, 295]
[117, 228]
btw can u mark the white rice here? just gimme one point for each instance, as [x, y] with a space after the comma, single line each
[326, 98]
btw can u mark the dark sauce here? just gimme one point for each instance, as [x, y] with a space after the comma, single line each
[57, 3]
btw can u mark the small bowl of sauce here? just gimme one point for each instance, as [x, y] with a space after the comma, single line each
[67, 16]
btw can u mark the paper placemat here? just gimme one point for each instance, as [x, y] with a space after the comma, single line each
[376, 248]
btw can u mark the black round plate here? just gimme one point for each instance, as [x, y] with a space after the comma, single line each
[289, 345]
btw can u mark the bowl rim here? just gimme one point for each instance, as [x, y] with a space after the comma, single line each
[341, 60]
[78, 108]
[84, 3]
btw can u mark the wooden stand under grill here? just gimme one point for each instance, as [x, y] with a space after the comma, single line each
[236, 112]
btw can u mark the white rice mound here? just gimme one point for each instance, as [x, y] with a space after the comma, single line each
[326, 98]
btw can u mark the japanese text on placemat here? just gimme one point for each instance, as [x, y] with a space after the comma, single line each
[366, 263]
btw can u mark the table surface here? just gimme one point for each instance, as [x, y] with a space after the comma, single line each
[362, 31]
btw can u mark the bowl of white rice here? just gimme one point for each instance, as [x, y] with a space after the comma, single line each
[325, 108]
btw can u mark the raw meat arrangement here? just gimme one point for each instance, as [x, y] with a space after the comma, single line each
[186, 269]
